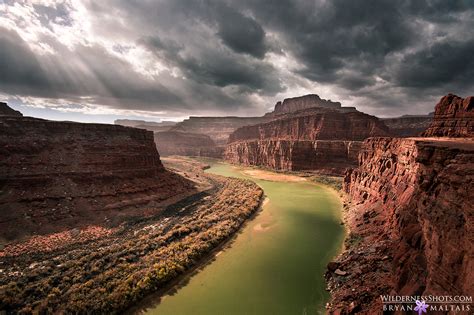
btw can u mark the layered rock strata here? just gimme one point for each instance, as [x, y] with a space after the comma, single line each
[312, 139]
[315, 124]
[295, 104]
[187, 144]
[218, 128]
[60, 175]
[454, 117]
[328, 156]
[411, 223]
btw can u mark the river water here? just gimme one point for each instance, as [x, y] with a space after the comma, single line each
[276, 263]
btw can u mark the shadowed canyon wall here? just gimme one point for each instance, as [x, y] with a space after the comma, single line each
[55, 175]
[187, 144]
[218, 128]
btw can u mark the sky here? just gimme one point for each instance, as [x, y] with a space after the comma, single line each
[95, 61]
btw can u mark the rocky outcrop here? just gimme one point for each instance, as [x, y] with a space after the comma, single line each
[329, 157]
[318, 139]
[187, 144]
[294, 104]
[315, 124]
[60, 175]
[408, 125]
[412, 218]
[6, 110]
[148, 125]
[218, 128]
[454, 117]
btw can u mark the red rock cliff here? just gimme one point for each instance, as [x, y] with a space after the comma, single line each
[330, 157]
[314, 124]
[318, 139]
[412, 204]
[218, 128]
[56, 175]
[295, 104]
[454, 117]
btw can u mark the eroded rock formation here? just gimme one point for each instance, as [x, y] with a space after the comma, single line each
[314, 124]
[454, 117]
[187, 144]
[311, 139]
[295, 104]
[412, 215]
[328, 156]
[218, 128]
[59, 175]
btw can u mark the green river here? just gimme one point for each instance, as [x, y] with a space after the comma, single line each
[276, 263]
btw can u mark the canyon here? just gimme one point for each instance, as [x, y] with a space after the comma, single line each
[409, 211]
[320, 139]
[60, 175]
[103, 222]
[217, 128]
[408, 125]
[186, 144]
[294, 104]
[96, 197]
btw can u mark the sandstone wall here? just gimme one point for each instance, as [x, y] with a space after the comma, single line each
[454, 117]
[187, 144]
[319, 124]
[55, 175]
[218, 128]
[303, 102]
[329, 157]
[317, 139]
[418, 193]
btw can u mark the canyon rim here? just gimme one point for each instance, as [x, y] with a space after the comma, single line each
[236, 157]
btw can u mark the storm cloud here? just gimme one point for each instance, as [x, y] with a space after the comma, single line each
[181, 58]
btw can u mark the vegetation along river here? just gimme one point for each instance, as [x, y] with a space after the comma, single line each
[276, 263]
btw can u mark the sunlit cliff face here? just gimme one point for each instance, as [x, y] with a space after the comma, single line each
[96, 60]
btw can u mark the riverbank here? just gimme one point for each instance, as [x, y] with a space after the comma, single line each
[113, 272]
[362, 271]
[276, 262]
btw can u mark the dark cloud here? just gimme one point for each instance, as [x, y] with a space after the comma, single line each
[222, 55]
[20, 70]
[101, 76]
[241, 33]
[219, 68]
[437, 65]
